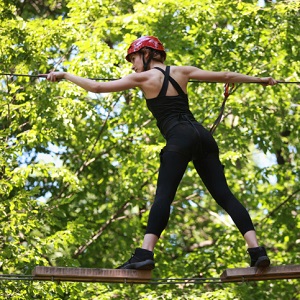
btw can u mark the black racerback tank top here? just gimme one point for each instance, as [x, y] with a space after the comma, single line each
[168, 110]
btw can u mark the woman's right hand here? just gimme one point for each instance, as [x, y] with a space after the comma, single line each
[55, 76]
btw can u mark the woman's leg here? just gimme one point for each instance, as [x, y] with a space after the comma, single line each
[250, 238]
[149, 241]
[172, 168]
[211, 172]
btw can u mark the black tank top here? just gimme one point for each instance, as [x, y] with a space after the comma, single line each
[169, 110]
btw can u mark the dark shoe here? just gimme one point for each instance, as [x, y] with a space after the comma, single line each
[259, 257]
[141, 259]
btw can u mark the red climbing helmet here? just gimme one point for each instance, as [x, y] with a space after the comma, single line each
[145, 41]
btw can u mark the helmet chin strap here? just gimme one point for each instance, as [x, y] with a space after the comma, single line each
[146, 63]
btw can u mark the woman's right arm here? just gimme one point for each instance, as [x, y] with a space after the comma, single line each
[125, 83]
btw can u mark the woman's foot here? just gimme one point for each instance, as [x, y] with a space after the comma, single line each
[259, 257]
[141, 259]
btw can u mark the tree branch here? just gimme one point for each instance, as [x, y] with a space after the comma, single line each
[82, 248]
[278, 207]
[113, 218]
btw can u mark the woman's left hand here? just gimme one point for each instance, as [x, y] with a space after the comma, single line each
[268, 81]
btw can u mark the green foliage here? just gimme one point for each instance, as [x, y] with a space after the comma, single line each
[78, 170]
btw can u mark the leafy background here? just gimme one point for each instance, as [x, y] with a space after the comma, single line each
[78, 170]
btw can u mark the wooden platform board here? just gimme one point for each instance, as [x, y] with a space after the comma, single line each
[139, 276]
[91, 275]
[256, 274]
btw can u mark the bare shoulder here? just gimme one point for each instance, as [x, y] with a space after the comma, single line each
[182, 74]
[184, 70]
[138, 77]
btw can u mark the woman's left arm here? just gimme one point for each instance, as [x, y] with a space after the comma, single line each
[226, 77]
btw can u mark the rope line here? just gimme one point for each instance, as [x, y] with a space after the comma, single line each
[154, 281]
[194, 280]
[228, 90]
[16, 277]
[112, 79]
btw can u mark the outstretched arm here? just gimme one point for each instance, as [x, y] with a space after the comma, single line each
[125, 83]
[226, 77]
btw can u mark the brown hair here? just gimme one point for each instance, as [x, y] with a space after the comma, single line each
[156, 54]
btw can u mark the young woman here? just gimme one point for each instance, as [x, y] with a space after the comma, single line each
[165, 90]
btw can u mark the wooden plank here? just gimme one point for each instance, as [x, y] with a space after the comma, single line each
[256, 274]
[91, 274]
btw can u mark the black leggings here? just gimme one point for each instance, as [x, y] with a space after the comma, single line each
[190, 141]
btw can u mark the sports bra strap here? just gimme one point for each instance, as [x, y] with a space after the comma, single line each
[167, 78]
